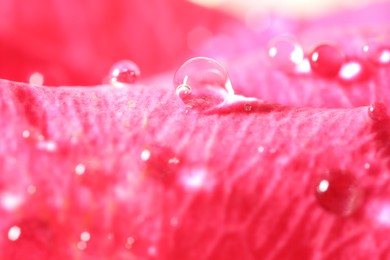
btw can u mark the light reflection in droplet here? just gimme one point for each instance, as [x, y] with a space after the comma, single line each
[26, 134]
[195, 179]
[350, 70]
[85, 236]
[260, 149]
[10, 201]
[304, 67]
[80, 169]
[323, 186]
[48, 146]
[174, 160]
[145, 155]
[14, 233]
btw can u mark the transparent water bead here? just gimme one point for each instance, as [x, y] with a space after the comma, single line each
[124, 72]
[202, 83]
[285, 53]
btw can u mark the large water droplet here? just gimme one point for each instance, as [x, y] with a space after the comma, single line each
[326, 60]
[377, 53]
[339, 192]
[202, 83]
[285, 53]
[377, 111]
[124, 72]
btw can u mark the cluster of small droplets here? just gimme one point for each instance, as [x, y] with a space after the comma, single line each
[123, 72]
[202, 83]
[327, 60]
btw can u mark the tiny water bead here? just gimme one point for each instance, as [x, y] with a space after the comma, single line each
[339, 192]
[326, 60]
[202, 83]
[377, 111]
[124, 72]
[377, 53]
[285, 53]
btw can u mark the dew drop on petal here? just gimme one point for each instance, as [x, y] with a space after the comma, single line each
[285, 53]
[202, 83]
[377, 111]
[26, 134]
[47, 146]
[124, 72]
[377, 53]
[14, 233]
[85, 236]
[36, 79]
[326, 60]
[80, 169]
[129, 242]
[339, 192]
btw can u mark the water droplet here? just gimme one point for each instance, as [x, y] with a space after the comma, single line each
[377, 111]
[353, 71]
[129, 242]
[85, 236]
[377, 53]
[14, 233]
[339, 192]
[47, 146]
[202, 83]
[82, 245]
[36, 79]
[285, 53]
[326, 60]
[124, 72]
[80, 169]
[26, 134]
[160, 162]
